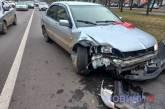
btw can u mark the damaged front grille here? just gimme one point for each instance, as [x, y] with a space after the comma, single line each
[128, 55]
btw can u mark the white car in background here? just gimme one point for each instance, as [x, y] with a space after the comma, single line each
[22, 6]
[43, 6]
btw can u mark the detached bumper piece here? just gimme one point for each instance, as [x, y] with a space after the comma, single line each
[127, 96]
[123, 96]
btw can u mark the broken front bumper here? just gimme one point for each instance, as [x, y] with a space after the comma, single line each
[143, 68]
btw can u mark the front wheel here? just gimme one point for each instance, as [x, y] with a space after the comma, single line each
[81, 61]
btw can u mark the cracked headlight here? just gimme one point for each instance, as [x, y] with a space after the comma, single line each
[106, 49]
[156, 47]
[117, 61]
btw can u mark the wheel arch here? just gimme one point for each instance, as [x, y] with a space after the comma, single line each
[82, 43]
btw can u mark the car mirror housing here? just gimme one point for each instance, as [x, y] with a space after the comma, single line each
[64, 23]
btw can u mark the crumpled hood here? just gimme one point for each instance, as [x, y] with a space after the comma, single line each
[120, 37]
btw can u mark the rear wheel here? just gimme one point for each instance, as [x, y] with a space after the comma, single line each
[4, 28]
[45, 34]
[15, 20]
[81, 61]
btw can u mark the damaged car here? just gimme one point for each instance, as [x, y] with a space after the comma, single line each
[97, 38]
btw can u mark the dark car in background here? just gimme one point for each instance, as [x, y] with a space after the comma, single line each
[30, 4]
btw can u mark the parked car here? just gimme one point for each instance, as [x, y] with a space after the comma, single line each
[36, 3]
[127, 5]
[96, 38]
[114, 4]
[7, 16]
[155, 6]
[30, 4]
[22, 6]
[43, 6]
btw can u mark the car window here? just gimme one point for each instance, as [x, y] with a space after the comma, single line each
[52, 12]
[61, 14]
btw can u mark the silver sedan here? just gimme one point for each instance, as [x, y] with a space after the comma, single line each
[97, 38]
[7, 16]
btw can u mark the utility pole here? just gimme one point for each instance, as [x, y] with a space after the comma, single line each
[131, 4]
[148, 7]
[121, 5]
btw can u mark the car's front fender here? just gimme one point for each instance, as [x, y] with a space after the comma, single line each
[85, 41]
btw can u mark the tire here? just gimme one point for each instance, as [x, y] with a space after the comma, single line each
[4, 28]
[45, 34]
[15, 20]
[82, 61]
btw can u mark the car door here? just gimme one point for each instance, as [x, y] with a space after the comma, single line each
[60, 34]
[63, 33]
[49, 21]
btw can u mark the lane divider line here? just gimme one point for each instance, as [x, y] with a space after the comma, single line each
[8, 88]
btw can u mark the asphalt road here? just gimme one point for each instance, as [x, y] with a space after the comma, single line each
[46, 79]
[9, 44]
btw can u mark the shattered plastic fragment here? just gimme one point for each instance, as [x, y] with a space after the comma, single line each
[106, 96]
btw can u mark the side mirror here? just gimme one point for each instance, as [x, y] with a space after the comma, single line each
[64, 23]
[6, 8]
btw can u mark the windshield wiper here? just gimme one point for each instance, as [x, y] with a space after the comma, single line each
[86, 22]
[105, 21]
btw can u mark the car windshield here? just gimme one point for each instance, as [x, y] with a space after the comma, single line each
[89, 15]
[21, 3]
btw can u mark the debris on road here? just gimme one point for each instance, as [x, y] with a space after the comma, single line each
[123, 96]
[106, 96]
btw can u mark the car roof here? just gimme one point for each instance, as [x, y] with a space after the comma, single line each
[75, 3]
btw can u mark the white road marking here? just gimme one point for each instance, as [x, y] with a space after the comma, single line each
[8, 88]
